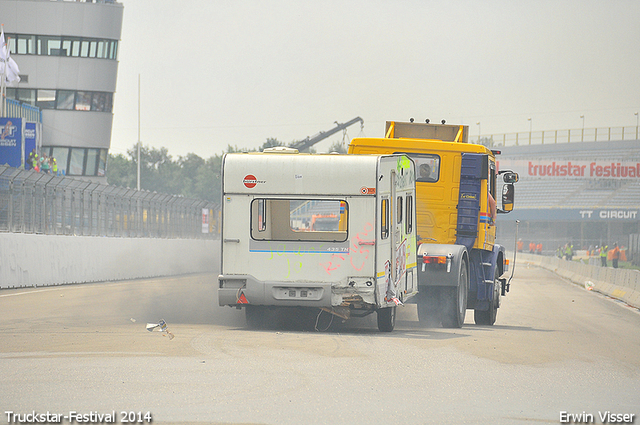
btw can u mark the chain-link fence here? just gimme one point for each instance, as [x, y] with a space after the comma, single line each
[32, 202]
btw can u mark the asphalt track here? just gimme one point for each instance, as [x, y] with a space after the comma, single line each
[555, 348]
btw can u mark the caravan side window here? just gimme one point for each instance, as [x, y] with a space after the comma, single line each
[299, 219]
[262, 218]
[384, 219]
[409, 211]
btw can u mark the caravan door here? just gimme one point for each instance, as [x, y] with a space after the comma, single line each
[397, 235]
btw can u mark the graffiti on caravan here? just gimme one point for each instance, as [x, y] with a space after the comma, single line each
[573, 169]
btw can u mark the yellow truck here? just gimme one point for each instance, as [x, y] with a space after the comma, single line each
[459, 264]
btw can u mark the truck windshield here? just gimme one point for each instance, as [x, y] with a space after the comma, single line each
[299, 219]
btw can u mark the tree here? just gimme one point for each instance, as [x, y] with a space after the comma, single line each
[121, 171]
[338, 147]
[207, 184]
[487, 141]
[190, 176]
[271, 143]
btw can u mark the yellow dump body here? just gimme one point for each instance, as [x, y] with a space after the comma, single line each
[437, 195]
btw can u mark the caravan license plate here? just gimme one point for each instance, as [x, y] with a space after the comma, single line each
[297, 293]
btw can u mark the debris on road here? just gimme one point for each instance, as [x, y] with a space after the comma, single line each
[161, 326]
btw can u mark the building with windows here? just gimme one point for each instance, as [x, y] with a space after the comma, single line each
[67, 52]
[585, 193]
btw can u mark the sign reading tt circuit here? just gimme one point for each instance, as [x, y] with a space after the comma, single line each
[610, 214]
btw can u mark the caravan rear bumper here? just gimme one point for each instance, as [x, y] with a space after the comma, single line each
[354, 292]
[237, 290]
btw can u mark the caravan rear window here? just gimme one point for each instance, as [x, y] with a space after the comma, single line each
[299, 219]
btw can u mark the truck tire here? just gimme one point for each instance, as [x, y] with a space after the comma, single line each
[454, 300]
[428, 300]
[488, 317]
[255, 316]
[386, 319]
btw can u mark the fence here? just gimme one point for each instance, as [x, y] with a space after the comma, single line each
[606, 134]
[18, 109]
[32, 202]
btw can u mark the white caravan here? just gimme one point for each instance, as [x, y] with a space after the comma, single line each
[331, 232]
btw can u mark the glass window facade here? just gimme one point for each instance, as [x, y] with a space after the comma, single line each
[72, 161]
[46, 45]
[102, 163]
[62, 158]
[91, 169]
[83, 101]
[46, 99]
[63, 99]
[26, 96]
[78, 161]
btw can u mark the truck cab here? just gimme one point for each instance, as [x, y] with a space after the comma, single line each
[456, 191]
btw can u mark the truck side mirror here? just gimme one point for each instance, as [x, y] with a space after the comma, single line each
[508, 195]
[509, 176]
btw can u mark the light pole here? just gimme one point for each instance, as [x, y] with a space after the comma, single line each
[582, 139]
[636, 114]
[478, 124]
[530, 127]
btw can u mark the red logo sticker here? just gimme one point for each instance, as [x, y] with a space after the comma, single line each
[250, 181]
[368, 190]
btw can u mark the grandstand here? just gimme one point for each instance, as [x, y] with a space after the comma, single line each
[585, 193]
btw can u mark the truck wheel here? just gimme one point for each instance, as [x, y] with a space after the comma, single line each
[455, 300]
[428, 300]
[255, 316]
[488, 317]
[386, 319]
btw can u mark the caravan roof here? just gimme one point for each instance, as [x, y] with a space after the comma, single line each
[276, 173]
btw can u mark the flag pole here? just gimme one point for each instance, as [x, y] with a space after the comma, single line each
[3, 91]
[138, 132]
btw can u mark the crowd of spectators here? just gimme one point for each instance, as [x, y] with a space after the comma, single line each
[42, 163]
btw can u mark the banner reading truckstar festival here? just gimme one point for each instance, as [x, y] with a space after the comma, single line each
[572, 169]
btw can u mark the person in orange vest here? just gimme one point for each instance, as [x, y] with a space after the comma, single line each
[532, 248]
[539, 248]
[615, 255]
[520, 245]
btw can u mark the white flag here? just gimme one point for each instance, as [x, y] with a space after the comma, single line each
[8, 66]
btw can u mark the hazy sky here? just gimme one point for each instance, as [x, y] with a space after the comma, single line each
[215, 73]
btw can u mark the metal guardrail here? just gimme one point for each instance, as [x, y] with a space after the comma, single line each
[605, 134]
[19, 109]
[87, 1]
[621, 284]
[32, 202]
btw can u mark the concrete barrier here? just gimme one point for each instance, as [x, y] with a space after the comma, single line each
[28, 260]
[621, 284]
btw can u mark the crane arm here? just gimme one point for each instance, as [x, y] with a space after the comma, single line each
[305, 144]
